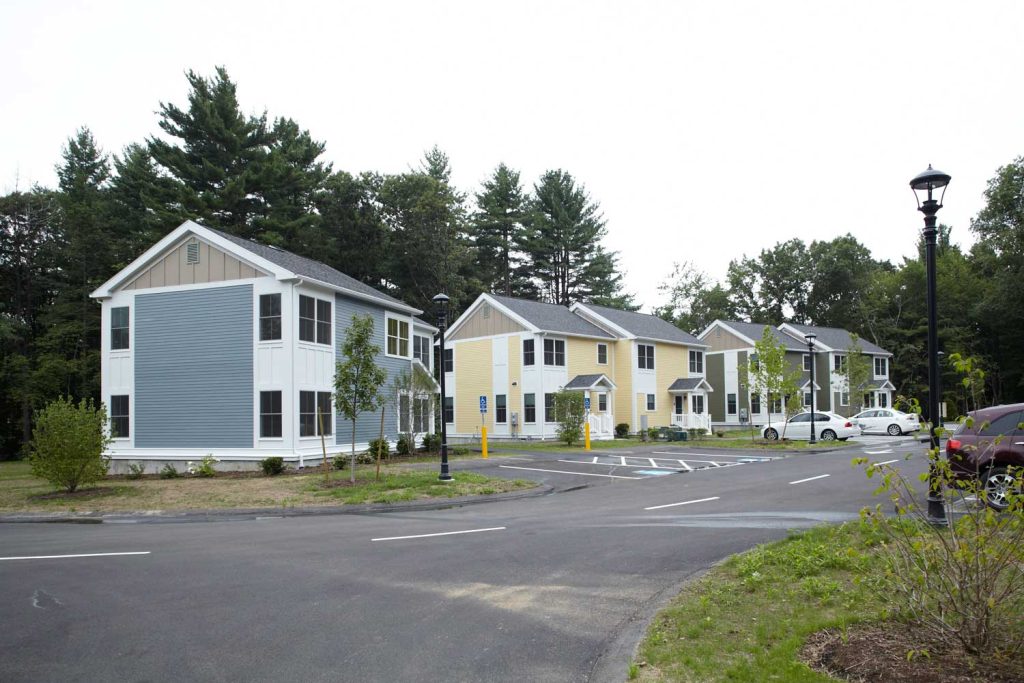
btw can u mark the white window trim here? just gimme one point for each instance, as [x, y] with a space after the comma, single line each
[806, 362]
[599, 345]
[430, 344]
[653, 357]
[736, 404]
[259, 318]
[695, 355]
[298, 324]
[131, 331]
[599, 408]
[388, 316]
[110, 417]
[844, 398]
[647, 403]
[554, 342]
[885, 360]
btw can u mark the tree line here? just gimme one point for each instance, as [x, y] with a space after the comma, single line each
[839, 283]
[409, 234]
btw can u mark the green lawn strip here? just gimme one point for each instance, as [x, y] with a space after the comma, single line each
[559, 446]
[395, 487]
[23, 493]
[746, 619]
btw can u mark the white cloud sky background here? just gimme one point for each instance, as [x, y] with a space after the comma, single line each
[705, 130]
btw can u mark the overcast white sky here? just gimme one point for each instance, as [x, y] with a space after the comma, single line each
[705, 130]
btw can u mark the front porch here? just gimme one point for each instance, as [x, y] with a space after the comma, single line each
[689, 398]
[598, 392]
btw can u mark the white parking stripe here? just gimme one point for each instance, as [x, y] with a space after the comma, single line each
[711, 455]
[443, 533]
[582, 474]
[608, 464]
[62, 557]
[688, 468]
[820, 476]
[685, 502]
[887, 462]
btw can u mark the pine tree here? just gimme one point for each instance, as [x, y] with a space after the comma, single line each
[563, 245]
[497, 230]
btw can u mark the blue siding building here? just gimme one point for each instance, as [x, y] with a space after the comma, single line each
[213, 344]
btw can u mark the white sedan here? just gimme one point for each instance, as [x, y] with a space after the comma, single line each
[827, 426]
[887, 421]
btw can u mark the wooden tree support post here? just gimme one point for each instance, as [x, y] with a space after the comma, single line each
[323, 445]
[380, 441]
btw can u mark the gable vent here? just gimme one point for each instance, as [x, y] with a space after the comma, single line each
[192, 253]
[486, 310]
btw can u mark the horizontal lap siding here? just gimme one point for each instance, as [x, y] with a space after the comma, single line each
[367, 424]
[194, 368]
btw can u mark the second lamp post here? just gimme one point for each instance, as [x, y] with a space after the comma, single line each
[810, 354]
[442, 322]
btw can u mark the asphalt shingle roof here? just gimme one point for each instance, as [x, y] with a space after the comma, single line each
[302, 266]
[645, 325]
[551, 317]
[685, 384]
[583, 381]
[756, 330]
[837, 339]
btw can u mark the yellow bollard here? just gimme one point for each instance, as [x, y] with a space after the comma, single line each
[483, 440]
[586, 435]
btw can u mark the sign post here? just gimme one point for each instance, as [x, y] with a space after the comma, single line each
[586, 423]
[483, 425]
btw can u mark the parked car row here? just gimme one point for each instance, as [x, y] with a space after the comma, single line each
[887, 421]
[827, 427]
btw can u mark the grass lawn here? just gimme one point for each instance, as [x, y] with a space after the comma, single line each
[556, 446]
[21, 492]
[498, 447]
[749, 619]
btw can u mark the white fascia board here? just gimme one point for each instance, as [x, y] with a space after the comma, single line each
[674, 342]
[480, 300]
[424, 326]
[807, 383]
[188, 227]
[725, 326]
[799, 336]
[596, 318]
[383, 303]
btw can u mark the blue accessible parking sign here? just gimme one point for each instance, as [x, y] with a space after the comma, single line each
[483, 404]
[586, 403]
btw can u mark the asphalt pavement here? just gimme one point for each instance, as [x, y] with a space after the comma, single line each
[552, 588]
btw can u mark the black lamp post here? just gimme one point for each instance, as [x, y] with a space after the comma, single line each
[923, 186]
[810, 354]
[442, 322]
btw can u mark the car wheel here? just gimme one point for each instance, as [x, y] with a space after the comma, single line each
[997, 485]
[894, 430]
[828, 435]
[771, 434]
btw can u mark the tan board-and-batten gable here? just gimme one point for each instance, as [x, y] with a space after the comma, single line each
[194, 262]
[723, 340]
[485, 322]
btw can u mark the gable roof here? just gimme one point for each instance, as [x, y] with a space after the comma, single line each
[833, 337]
[754, 331]
[550, 317]
[643, 325]
[308, 268]
[689, 384]
[282, 264]
[589, 381]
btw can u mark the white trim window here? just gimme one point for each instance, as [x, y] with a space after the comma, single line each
[271, 422]
[881, 366]
[755, 404]
[652, 402]
[270, 317]
[120, 422]
[528, 353]
[554, 352]
[529, 409]
[314, 320]
[844, 398]
[730, 400]
[602, 403]
[119, 324]
[602, 354]
[807, 362]
[449, 410]
[549, 409]
[645, 356]
[839, 363]
[310, 404]
[398, 331]
[421, 349]
[449, 360]
[500, 409]
[697, 362]
[808, 398]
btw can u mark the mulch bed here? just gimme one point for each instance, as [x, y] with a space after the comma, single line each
[877, 653]
[93, 492]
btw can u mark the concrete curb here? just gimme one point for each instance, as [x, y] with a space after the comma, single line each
[239, 514]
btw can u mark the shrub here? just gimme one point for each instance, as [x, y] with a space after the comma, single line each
[570, 416]
[432, 443]
[962, 584]
[136, 470]
[365, 458]
[272, 466]
[405, 444]
[169, 471]
[458, 450]
[383, 446]
[68, 441]
[340, 461]
[622, 430]
[653, 433]
[204, 468]
[720, 434]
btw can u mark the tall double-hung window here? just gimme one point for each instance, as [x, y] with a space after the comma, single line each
[697, 361]
[119, 328]
[554, 352]
[312, 406]
[645, 356]
[270, 317]
[397, 337]
[314, 320]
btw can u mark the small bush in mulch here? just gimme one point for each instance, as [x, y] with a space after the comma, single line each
[893, 653]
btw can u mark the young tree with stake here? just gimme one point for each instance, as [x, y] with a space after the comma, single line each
[358, 379]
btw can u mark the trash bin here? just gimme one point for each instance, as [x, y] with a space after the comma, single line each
[675, 435]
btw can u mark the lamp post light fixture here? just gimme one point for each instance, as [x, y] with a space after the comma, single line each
[441, 300]
[810, 352]
[924, 186]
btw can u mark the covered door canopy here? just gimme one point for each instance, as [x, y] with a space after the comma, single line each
[590, 383]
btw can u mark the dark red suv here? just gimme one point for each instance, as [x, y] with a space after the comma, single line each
[990, 449]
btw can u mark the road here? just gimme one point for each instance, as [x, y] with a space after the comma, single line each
[553, 588]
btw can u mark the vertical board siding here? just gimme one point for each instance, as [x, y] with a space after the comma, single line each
[194, 368]
[367, 424]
